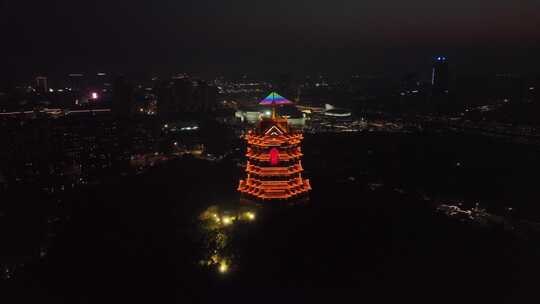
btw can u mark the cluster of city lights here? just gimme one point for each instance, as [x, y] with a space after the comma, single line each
[147, 112]
[174, 128]
[223, 264]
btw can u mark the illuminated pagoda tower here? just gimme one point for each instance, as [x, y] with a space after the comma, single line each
[274, 166]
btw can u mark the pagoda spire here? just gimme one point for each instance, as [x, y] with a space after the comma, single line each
[273, 99]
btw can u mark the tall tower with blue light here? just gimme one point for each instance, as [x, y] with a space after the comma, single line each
[440, 76]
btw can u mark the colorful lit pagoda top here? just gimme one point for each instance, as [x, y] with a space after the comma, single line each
[275, 98]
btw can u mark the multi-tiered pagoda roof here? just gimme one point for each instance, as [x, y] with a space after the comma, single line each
[274, 167]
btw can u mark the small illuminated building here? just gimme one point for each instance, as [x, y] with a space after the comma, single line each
[338, 113]
[332, 111]
[253, 114]
[274, 167]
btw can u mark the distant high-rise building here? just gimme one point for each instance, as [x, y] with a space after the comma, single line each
[409, 82]
[183, 95]
[122, 98]
[175, 97]
[165, 97]
[76, 82]
[41, 84]
[205, 97]
[99, 81]
[440, 77]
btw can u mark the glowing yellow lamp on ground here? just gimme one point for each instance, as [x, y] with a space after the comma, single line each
[250, 216]
[223, 267]
[227, 220]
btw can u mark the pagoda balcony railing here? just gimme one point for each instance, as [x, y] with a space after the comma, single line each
[266, 141]
[283, 194]
[275, 143]
[249, 185]
[274, 171]
[256, 137]
[298, 136]
[288, 184]
[275, 192]
[282, 156]
[286, 135]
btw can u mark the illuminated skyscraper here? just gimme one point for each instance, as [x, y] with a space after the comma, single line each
[274, 167]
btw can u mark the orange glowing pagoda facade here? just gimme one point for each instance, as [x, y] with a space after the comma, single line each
[274, 159]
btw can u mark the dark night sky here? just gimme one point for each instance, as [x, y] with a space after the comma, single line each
[210, 37]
